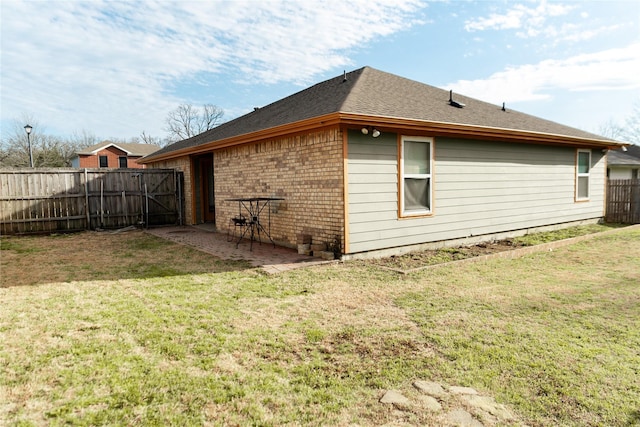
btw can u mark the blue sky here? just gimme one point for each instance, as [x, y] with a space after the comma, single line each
[116, 68]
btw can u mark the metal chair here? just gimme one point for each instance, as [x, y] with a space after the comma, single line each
[236, 228]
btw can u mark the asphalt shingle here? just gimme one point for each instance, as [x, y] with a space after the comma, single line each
[370, 92]
[132, 148]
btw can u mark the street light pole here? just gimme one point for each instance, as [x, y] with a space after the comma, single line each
[28, 129]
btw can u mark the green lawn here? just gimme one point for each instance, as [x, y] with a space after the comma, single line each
[554, 336]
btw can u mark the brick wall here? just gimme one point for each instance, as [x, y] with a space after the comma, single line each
[113, 159]
[306, 170]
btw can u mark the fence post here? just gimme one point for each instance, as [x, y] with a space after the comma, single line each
[177, 181]
[635, 201]
[86, 198]
[139, 175]
[124, 206]
[146, 200]
[101, 202]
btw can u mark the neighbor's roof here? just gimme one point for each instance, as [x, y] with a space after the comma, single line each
[620, 158]
[130, 148]
[373, 94]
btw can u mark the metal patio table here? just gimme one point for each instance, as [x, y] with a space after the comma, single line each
[252, 224]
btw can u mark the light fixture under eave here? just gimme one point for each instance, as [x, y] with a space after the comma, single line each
[375, 133]
[364, 131]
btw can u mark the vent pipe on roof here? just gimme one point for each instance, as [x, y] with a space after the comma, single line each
[503, 109]
[344, 75]
[454, 103]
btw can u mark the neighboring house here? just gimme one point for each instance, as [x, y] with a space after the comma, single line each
[382, 163]
[109, 154]
[624, 164]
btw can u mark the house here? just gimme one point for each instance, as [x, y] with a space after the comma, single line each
[624, 164]
[383, 164]
[109, 154]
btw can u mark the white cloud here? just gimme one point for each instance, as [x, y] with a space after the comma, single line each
[610, 70]
[554, 23]
[103, 56]
[510, 20]
[530, 21]
[575, 33]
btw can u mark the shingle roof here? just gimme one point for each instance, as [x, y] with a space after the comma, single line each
[370, 92]
[131, 149]
[629, 158]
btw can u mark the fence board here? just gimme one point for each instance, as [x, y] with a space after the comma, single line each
[49, 200]
[623, 201]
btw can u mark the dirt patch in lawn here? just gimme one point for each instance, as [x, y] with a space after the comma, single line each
[425, 258]
[421, 259]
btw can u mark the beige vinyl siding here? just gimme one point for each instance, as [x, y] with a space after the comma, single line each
[373, 176]
[621, 172]
[479, 188]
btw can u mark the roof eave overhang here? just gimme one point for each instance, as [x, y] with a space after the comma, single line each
[482, 132]
[382, 122]
[274, 132]
[617, 164]
[112, 144]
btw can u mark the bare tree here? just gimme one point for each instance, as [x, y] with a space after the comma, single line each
[48, 150]
[631, 130]
[83, 139]
[187, 121]
[627, 132]
[14, 145]
[211, 116]
[145, 138]
[611, 129]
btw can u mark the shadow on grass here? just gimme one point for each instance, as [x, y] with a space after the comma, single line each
[85, 256]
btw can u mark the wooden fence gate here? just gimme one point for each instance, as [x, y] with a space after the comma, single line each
[57, 200]
[623, 201]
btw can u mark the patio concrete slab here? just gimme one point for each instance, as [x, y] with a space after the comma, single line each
[264, 255]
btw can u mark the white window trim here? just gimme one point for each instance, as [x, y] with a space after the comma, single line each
[583, 175]
[429, 176]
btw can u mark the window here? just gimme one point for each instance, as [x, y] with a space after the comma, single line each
[122, 161]
[583, 169]
[104, 162]
[415, 171]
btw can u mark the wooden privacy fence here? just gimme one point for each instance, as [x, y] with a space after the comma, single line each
[623, 201]
[54, 200]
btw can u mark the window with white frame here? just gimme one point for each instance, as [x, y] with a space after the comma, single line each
[415, 172]
[583, 170]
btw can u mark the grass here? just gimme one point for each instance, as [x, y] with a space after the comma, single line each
[106, 256]
[418, 260]
[174, 336]
[562, 354]
[564, 233]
